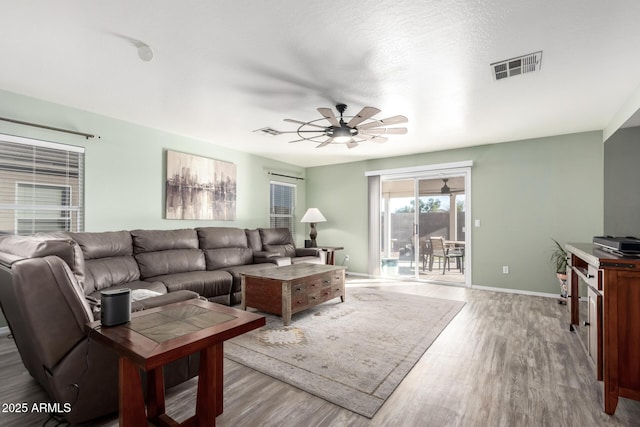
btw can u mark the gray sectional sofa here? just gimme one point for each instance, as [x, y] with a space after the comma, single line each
[50, 289]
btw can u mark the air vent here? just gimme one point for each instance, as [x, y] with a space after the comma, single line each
[514, 66]
[268, 131]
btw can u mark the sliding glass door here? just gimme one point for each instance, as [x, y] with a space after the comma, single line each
[398, 227]
[423, 226]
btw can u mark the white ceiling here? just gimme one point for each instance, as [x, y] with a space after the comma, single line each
[225, 68]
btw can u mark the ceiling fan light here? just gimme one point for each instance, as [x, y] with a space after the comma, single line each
[341, 134]
[341, 139]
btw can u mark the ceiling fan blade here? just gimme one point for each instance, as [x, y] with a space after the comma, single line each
[380, 139]
[352, 144]
[395, 131]
[376, 131]
[328, 114]
[364, 114]
[380, 131]
[384, 122]
[365, 136]
[304, 123]
[325, 143]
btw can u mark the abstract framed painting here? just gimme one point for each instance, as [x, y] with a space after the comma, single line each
[199, 188]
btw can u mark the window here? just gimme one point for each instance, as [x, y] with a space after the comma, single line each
[41, 186]
[283, 206]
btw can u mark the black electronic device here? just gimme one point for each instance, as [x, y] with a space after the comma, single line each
[115, 307]
[619, 245]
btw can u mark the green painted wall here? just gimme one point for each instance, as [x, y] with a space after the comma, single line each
[524, 193]
[125, 171]
[621, 177]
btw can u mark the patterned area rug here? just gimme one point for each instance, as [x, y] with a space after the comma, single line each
[353, 354]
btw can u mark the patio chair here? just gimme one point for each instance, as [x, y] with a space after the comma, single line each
[441, 251]
[425, 252]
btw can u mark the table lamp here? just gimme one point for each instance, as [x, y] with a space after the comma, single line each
[313, 216]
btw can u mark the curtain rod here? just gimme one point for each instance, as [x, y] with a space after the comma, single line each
[20, 122]
[286, 176]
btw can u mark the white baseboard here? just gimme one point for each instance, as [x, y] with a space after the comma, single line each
[4, 331]
[350, 273]
[516, 291]
[481, 288]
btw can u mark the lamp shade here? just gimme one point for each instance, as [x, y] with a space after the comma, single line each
[313, 215]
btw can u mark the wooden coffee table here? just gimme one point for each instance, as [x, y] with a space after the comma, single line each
[286, 290]
[161, 335]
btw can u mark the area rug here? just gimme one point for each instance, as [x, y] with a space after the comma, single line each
[353, 354]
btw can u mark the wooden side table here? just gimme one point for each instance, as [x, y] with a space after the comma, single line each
[330, 251]
[156, 337]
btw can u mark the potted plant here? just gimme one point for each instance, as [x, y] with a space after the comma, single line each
[559, 262]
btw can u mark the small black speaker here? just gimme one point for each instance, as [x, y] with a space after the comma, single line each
[116, 307]
[307, 243]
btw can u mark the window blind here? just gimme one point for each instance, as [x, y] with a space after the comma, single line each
[41, 186]
[282, 206]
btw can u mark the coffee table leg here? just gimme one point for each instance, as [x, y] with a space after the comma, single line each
[210, 386]
[131, 399]
[286, 302]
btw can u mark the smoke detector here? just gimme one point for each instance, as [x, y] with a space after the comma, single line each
[515, 66]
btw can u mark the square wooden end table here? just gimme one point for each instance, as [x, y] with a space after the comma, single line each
[162, 335]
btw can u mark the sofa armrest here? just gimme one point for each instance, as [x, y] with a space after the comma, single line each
[309, 252]
[261, 257]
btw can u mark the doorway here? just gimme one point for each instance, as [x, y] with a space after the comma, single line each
[423, 226]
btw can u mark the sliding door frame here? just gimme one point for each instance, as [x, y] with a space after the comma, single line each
[435, 171]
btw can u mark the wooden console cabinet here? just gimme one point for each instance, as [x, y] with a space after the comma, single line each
[604, 303]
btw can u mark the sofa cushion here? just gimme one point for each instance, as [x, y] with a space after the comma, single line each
[163, 240]
[227, 257]
[221, 237]
[224, 247]
[107, 272]
[161, 263]
[253, 240]
[104, 245]
[208, 284]
[108, 259]
[277, 240]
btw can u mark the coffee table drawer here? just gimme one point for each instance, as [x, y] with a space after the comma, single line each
[318, 282]
[299, 301]
[337, 278]
[298, 289]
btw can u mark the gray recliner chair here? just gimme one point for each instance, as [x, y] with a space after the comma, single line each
[45, 306]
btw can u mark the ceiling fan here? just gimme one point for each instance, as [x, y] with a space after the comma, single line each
[359, 128]
[448, 190]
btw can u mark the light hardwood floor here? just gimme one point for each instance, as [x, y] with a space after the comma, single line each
[505, 360]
